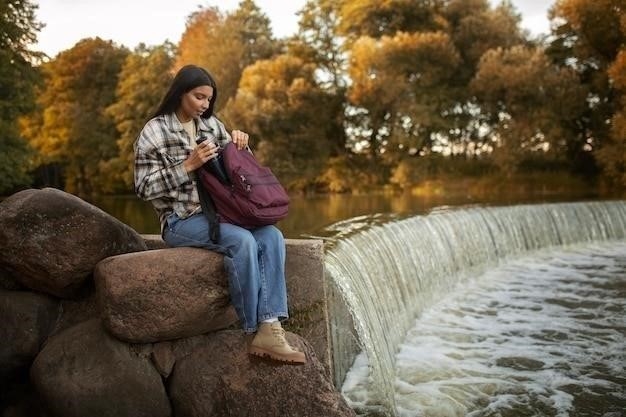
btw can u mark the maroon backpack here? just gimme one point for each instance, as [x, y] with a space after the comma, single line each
[250, 197]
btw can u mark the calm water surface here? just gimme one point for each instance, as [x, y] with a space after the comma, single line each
[312, 216]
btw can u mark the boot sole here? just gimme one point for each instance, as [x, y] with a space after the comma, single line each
[262, 353]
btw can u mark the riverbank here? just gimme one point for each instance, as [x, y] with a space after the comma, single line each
[517, 188]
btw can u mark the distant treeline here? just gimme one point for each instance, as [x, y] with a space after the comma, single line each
[366, 94]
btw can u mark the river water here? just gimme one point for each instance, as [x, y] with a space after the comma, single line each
[541, 335]
[519, 309]
[322, 215]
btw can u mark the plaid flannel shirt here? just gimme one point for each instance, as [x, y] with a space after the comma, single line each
[160, 177]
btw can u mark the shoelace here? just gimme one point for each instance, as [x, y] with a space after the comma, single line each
[279, 334]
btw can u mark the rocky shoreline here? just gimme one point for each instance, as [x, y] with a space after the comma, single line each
[96, 322]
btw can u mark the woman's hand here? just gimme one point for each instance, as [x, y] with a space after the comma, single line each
[201, 153]
[240, 139]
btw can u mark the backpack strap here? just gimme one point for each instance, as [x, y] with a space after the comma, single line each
[208, 209]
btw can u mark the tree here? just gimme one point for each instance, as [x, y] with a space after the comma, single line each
[404, 67]
[74, 129]
[14, 159]
[590, 28]
[612, 153]
[18, 78]
[399, 83]
[280, 105]
[476, 28]
[445, 109]
[375, 19]
[588, 36]
[143, 80]
[317, 43]
[208, 43]
[531, 103]
[226, 44]
[253, 28]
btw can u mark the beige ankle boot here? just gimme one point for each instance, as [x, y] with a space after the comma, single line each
[270, 342]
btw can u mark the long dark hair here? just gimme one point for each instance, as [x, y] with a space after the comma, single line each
[186, 79]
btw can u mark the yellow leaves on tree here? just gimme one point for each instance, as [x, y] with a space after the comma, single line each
[595, 31]
[74, 130]
[397, 77]
[226, 44]
[375, 18]
[596, 24]
[279, 103]
[143, 80]
[612, 154]
[515, 85]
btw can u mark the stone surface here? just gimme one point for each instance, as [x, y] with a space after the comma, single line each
[304, 266]
[219, 378]
[83, 371]
[175, 297]
[27, 321]
[50, 240]
[154, 242]
[163, 358]
[163, 294]
[306, 291]
[20, 400]
[79, 309]
[7, 282]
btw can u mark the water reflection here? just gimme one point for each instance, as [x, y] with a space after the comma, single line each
[131, 210]
[312, 216]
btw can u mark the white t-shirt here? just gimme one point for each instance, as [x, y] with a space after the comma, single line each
[190, 128]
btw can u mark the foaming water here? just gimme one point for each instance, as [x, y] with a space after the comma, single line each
[384, 275]
[542, 335]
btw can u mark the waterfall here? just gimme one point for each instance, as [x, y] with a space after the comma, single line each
[382, 277]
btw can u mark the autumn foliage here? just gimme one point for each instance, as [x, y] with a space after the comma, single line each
[366, 94]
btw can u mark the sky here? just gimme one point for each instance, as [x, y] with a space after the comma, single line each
[130, 22]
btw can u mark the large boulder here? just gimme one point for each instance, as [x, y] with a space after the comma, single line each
[7, 282]
[20, 400]
[82, 371]
[219, 379]
[76, 310]
[27, 320]
[50, 241]
[163, 294]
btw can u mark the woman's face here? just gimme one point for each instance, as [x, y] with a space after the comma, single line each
[194, 103]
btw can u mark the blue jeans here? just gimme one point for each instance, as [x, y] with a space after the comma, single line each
[254, 261]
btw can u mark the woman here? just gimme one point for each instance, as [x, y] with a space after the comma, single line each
[166, 158]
